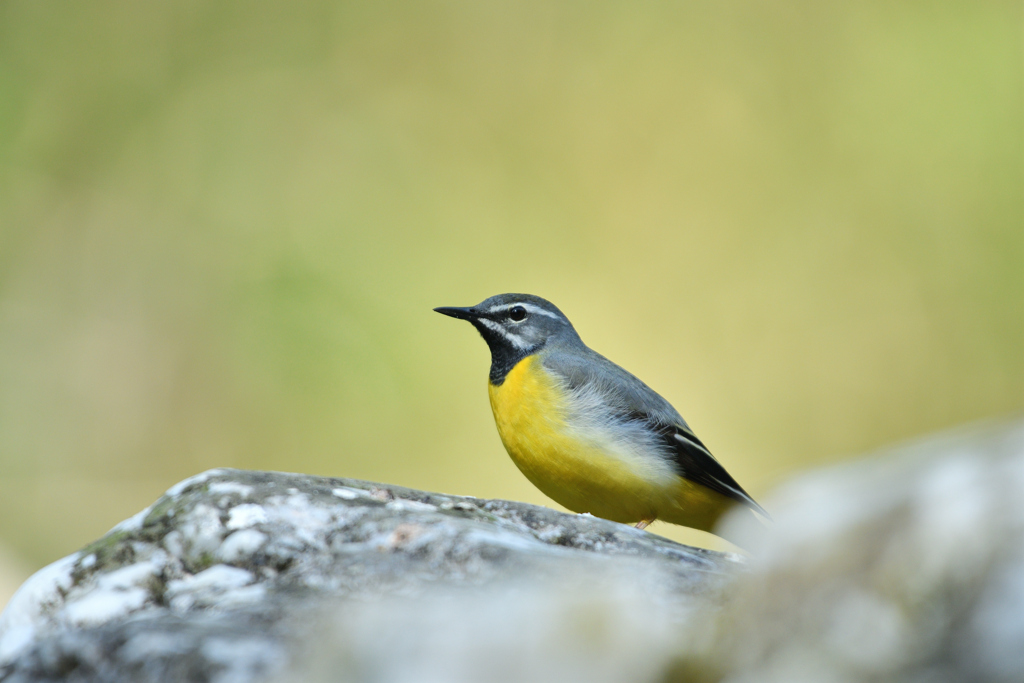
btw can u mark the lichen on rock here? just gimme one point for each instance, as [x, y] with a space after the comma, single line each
[253, 556]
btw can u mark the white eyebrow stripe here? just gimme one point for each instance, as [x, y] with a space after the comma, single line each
[530, 308]
[513, 339]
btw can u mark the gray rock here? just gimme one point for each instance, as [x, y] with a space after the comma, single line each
[906, 566]
[237, 576]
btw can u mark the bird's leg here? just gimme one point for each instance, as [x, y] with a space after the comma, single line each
[643, 523]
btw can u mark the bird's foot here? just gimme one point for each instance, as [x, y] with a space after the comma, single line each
[644, 523]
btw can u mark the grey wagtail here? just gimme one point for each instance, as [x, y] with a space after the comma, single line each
[588, 434]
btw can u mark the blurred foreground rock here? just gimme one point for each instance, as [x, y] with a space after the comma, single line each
[908, 566]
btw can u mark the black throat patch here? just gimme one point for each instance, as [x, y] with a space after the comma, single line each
[504, 354]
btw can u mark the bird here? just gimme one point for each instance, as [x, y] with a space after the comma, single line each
[587, 433]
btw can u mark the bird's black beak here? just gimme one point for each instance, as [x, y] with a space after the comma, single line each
[460, 313]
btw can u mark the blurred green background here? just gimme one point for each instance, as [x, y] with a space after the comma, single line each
[223, 227]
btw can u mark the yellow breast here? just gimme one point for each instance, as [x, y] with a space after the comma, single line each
[534, 417]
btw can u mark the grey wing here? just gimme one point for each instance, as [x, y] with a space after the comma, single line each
[631, 399]
[624, 392]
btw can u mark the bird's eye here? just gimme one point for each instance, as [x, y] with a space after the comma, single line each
[517, 314]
